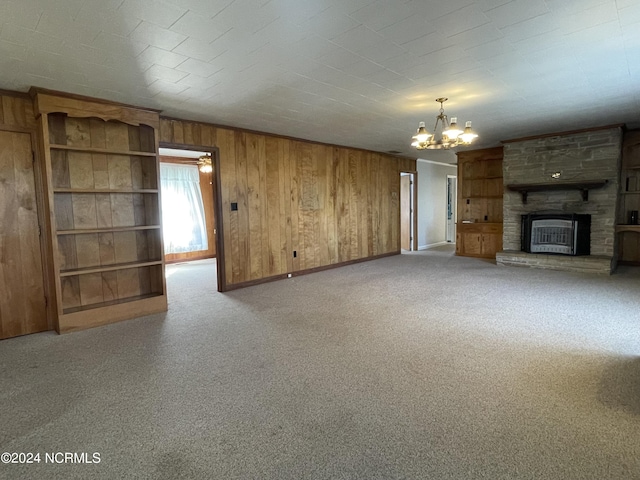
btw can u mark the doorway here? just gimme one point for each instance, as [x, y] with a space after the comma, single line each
[188, 209]
[452, 214]
[408, 217]
[190, 192]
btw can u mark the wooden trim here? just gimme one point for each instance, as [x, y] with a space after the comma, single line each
[33, 91]
[83, 107]
[13, 93]
[469, 155]
[45, 251]
[206, 256]
[273, 278]
[275, 135]
[628, 228]
[568, 132]
[105, 191]
[628, 263]
[104, 151]
[53, 262]
[525, 188]
[215, 159]
[5, 127]
[220, 258]
[126, 310]
[156, 147]
[485, 227]
[82, 231]
[108, 268]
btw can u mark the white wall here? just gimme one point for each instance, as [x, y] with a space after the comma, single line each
[432, 202]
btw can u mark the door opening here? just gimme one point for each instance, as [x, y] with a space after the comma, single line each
[452, 192]
[408, 238]
[190, 194]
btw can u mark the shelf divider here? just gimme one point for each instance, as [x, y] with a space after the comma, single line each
[108, 268]
[104, 190]
[81, 231]
[627, 228]
[119, 301]
[105, 151]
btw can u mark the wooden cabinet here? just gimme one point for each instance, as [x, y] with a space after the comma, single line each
[479, 239]
[480, 189]
[101, 166]
[629, 234]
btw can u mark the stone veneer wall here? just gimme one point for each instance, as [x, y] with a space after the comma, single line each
[583, 156]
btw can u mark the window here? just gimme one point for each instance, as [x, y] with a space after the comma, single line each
[184, 227]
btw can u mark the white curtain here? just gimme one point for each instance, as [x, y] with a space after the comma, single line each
[184, 228]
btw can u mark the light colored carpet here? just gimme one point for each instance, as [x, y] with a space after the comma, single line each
[418, 366]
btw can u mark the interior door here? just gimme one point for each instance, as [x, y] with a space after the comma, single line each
[451, 207]
[405, 212]
[22, 301]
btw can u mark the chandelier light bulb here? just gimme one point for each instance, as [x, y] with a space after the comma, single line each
[450, 135]
[468, 135]
[453, 131]
[422, 135]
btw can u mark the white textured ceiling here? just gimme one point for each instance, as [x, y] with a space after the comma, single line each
[360, 73]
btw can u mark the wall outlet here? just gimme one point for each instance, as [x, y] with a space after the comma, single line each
[288, 275]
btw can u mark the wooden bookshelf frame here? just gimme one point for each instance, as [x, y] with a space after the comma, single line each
[101, 179]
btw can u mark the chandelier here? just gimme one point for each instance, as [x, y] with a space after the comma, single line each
[204, 163]
[450, 135]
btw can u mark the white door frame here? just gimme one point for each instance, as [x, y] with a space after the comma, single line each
[413, 242]
[452, 210]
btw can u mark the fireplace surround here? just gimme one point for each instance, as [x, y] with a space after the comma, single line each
[556, 233]
[577, 157]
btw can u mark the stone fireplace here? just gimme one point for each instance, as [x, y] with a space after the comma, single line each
[572, 173]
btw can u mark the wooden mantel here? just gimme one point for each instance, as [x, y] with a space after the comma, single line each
[584, 187]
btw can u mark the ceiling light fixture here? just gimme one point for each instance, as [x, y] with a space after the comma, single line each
[204, 162]
[450, 135]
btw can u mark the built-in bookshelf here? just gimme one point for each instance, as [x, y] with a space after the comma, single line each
[103, 190]
[629, 200]
[480, 191]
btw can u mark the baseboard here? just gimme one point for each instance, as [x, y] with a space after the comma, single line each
[250, 283]
[432, 245]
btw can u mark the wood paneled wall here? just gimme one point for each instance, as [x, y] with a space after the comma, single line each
[301, 205]
[327, 204]
[16, 111]
[22, 284]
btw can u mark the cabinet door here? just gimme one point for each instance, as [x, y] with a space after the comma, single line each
[22, 303]
[472, 242]
[491, 244]
[629, 247]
